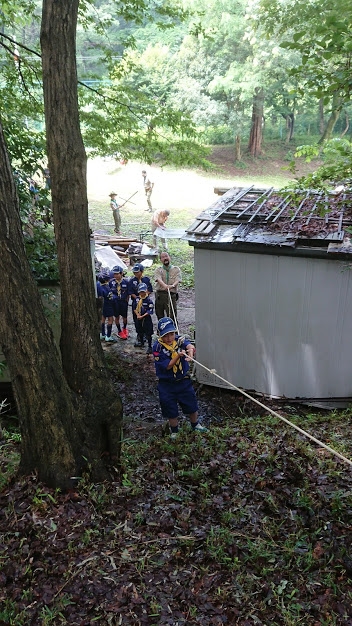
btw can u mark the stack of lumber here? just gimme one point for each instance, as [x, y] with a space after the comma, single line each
[113, 240]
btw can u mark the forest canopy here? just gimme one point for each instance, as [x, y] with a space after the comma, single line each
[158, 82]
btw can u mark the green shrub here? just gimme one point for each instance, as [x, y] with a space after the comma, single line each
[217, 135]
[42, 255]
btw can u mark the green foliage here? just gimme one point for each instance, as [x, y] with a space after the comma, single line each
[41, 254]
[321, 36]
[337, 167]
[133, 124]
[218, 135]
[9, 454]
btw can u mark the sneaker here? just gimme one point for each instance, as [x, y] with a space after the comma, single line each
[102, 337]
[121, 334]
[200, 429]
[111, 339]
[125, 333]
[173, 436]
[149, 350]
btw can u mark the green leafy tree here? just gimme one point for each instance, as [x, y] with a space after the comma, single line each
[70, 416]
[320, 33]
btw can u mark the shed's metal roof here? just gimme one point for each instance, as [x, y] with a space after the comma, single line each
[263, 217]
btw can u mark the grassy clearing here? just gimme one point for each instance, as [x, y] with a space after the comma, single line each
[184, 192]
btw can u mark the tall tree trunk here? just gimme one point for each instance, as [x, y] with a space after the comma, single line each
[82, 354]
[347, 125]
[335, 114]
[238, 148]
[69, 413]
[256, 134]
[290, 122]
[43, 398]
[321, 116]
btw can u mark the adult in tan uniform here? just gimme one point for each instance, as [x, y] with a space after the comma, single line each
[167, 278]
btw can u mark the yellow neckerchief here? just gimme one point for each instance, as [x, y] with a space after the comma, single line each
[177, 367]
[140, 303]
[118, 285]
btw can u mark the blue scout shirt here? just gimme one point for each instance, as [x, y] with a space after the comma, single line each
[120, 290]
[162, 358]
[147, 305]
[134, 282]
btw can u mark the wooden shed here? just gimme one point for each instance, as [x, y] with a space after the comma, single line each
[273, 293]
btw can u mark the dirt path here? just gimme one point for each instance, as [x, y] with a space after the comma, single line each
[135, 380]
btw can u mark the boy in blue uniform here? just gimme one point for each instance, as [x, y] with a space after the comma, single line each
[120, 289]
[172, 369]
[138, 278]
[104, 291]
[143, 309]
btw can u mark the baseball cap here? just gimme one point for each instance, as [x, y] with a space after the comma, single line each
[166, 325]
[117, 269]
[138, 268]
[142, 287]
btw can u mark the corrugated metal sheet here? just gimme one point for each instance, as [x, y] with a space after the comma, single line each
[263, 217]
[278, 325]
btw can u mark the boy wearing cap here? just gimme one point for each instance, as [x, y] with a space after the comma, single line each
[104, 291]
[115, 212]
[119, 288]
[138, 278]
[172, 369]
[143, 308]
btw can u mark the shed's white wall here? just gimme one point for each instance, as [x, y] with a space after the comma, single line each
[275, 324]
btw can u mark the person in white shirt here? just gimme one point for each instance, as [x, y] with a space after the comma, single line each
[158, 221]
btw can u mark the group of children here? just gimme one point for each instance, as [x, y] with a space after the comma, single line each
[172, 353]
[116, 290]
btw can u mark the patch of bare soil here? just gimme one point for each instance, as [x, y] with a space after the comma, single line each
[267, 164]
[134, 376]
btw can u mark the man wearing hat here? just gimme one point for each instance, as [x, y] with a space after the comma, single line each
[115, 212]
[171, 358]
[133, 284]
[148, 188]
[167, 278]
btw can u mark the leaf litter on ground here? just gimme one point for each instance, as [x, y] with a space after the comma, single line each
[249, 524]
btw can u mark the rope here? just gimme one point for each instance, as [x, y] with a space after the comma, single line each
[173, 310]
[303, 432]
[244, 393]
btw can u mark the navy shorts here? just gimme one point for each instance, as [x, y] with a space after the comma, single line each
[108, 308]
[120, 308]
[172, 394]
[144, 326]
